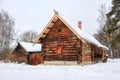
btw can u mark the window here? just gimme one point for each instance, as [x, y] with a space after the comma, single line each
[59, 30]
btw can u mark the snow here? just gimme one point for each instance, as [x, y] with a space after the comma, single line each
[82, 33]
[113, 16]
[30, 47]
[118, 23]
[90, 38]
[99, 71]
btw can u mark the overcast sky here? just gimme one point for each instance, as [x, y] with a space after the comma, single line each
[35, 14]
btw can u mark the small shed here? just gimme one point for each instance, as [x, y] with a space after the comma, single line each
[27, 52]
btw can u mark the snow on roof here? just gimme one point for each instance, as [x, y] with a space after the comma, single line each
[118, 23]
[30, 47]
[72, 25]
[82, 33]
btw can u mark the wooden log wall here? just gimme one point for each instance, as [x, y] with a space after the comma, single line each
[60, 44]
[19, 55]
[80, 45]
[86, 52]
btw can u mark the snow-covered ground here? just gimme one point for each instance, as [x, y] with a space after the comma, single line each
[99, 71]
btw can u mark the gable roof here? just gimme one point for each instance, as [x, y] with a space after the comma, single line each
[29, 47]
[80, 33]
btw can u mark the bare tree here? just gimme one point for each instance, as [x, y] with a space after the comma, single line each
[102, 17]
[28, 36]
[102, 34]
[6, 31]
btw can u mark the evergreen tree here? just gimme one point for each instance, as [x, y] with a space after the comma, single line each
[109, 32]
[113, 28]
[113, 24]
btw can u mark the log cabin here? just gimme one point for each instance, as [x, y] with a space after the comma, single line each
[27, 52]
[62, 41]
[65, 41]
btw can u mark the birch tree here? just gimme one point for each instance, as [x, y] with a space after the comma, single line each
[6, 32]
[103, 36]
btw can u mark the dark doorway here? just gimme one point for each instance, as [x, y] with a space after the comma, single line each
[28, 59]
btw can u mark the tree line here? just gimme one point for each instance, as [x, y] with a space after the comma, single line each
[7, 35]
[109, 28]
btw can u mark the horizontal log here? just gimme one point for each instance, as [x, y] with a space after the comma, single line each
[51, 42]
[50, 49]
[69, 51]
[70, 54]
[51, 54]
[69, 46]
[72, 48]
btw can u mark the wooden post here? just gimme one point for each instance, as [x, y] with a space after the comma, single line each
[104, 57]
